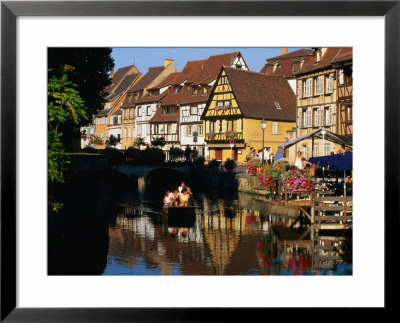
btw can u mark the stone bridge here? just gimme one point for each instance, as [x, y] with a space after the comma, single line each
[141, 172]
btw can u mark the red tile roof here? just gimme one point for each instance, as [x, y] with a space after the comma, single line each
[257, 93]
[167, 117]
[151, 98]
[147, 78]
[285, 62]
[124, 86]
[118, 76]
[345, 54]
[326, 61]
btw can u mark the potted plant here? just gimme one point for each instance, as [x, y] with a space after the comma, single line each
[230, 164]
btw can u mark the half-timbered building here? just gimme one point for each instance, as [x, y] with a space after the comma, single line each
[238, 102]
[140, 106]
[113, 104]
[178, 118]
[287, 64]
[318, 100]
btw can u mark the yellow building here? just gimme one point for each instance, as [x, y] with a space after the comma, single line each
[238, 102]
[324, 100]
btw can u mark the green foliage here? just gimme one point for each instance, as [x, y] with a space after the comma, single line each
[64, 103]
[139, 141]
[113, 141]
[158, 142]
[95, 140]
[88, 68]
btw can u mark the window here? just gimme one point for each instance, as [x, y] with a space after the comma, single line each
[308, 88]
[169, 128]
[193, 110]
[224, 80]
[205, 89]
[327, 149]
[239, 125]
[224, 126]
[329, 83]
[208, 126]
[315, 150]
[139, 130]
[300, 89]
[173, 128]
[349, 113]
[138, 112]
[341, 76]
[227, 103]
[277, 105]
[276, 128]
[299, 119]
[177, 89]
[217, 129]
[189, 130]
[161, 129]
[195, 90]
[200, 132]
[147, 129]
[306, 152]
[328, 116]
[148, 110]
[319, 85]
[308, 118]
[318, 117]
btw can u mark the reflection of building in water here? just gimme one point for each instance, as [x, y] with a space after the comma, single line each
[330, 251]
[223, 229]
[136, 240]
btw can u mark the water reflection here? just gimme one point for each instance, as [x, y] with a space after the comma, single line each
[228, 236]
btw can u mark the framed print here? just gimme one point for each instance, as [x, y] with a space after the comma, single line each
[31, 291]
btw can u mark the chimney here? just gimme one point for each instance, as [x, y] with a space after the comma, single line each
[112, 73]
[284, 50]
[168, 61]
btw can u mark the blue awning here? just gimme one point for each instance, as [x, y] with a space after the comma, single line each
[339, 162]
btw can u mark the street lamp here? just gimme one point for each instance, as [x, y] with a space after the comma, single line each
[263, 126]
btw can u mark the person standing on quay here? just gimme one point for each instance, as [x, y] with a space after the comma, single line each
[297, 162]
[187, 153]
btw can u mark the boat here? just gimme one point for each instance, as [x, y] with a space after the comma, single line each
[285, 233]
[180, 216]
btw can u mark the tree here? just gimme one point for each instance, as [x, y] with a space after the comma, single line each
[64, 106]
[90, 73]
[113, 141]
[89, 69]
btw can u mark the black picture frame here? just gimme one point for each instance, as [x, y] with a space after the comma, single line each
[10, 10]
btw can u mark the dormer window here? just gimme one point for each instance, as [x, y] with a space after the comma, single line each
[277, 105]
[205, 90]
[318, 57]
[195, 90]
[177, 89]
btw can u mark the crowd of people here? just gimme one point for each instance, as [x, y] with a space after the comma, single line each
[178, 196]
[269, 156]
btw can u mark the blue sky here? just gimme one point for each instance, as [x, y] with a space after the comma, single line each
[146, 57]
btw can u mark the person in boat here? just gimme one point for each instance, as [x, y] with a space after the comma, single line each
[190, 201]
[180, 188]
[166, 199]
[184, 197]
[174, 197]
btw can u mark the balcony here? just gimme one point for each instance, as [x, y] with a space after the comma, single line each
[224, 137]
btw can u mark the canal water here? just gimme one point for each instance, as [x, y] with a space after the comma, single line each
[110, 229]
[231, 234]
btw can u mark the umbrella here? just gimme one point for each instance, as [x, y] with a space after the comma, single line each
[340, 162]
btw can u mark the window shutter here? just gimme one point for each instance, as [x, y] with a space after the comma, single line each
[300, 88]
[239, 125]
[321, 84]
